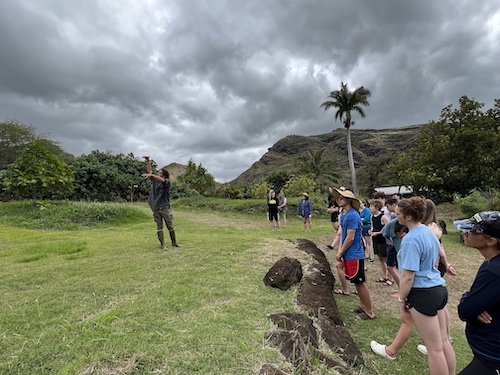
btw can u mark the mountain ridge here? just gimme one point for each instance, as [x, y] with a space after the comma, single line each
[367, 145]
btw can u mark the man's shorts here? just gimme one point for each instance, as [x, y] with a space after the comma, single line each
[428, 301]
[392, 256]
[364, 232]
[355, 271]
[380, 249]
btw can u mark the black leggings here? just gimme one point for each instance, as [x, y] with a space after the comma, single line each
[479, 366]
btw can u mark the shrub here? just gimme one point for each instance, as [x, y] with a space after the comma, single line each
[495, 201]
[258, 191]
[180, 190]
[300, 184]
[472, 203]
[229, 192]
[69, 215]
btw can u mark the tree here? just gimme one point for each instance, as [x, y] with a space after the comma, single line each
[346, 102]
[315, 165]
[15, 136]
[102, 176]
[197, 177]
[300, 184]
[454, 155]
[37, 173]
[276, 180]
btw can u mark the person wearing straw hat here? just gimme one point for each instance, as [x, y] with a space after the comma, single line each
[305, 211]
[351, 250]
[480, 306]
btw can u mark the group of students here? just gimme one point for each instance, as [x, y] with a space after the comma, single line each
[276, 210]
[415, 260]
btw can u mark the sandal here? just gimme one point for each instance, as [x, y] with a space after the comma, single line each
[357, 310]
[389, 283]
[341, 292]
[381, 280]
[363, 316]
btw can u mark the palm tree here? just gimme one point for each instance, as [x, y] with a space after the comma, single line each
[346, 101]
[314, 164]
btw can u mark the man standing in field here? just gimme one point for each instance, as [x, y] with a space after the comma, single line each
[159, 200]
[351, 251]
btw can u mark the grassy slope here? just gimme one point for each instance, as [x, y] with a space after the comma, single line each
[104, 300]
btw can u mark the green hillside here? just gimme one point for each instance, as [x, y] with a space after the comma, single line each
[369, 145]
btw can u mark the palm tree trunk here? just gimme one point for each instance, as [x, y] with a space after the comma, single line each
[351, 162]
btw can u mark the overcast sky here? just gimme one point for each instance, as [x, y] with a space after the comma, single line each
[219, 82]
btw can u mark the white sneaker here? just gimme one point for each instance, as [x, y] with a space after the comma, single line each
[422, 349]
[380, 350]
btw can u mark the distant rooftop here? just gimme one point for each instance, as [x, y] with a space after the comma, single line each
[390, 190]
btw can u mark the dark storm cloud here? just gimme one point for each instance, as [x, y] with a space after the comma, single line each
[219, 82]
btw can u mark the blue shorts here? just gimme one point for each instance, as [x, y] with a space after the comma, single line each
[392, 256]
[364, 232]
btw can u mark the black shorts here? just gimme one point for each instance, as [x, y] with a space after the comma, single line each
[355, 271]
[428, 301]
[273, 216]
[380, 249]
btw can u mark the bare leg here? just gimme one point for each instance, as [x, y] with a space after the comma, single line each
[393, 271]
[369, 247]
[449, 353]
[383, 266]
[365, 301]
[342, 279]
[402, 336]
[430, 330]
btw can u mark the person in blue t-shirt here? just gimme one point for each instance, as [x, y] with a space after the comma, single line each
[351, 251]
[480, 306]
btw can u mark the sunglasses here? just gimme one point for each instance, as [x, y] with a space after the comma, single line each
[341, 197]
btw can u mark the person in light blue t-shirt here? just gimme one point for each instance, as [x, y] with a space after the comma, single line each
[422, 290]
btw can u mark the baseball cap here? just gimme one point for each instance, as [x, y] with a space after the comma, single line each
[487, 222]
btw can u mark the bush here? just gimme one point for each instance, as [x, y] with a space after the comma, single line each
[300, 184]
[472, 203]
[258, 191]
[229, 192]
[179, 190]
[495, 201]
[69, 215]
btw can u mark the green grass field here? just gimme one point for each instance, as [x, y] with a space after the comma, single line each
[93, 294]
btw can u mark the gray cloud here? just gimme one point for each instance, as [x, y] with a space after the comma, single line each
[220, 82]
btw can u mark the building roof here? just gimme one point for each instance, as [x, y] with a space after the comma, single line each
[390, 190]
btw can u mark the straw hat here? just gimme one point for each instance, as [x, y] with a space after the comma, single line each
[342, 191]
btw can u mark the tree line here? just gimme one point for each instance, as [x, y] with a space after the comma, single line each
[454, 155]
